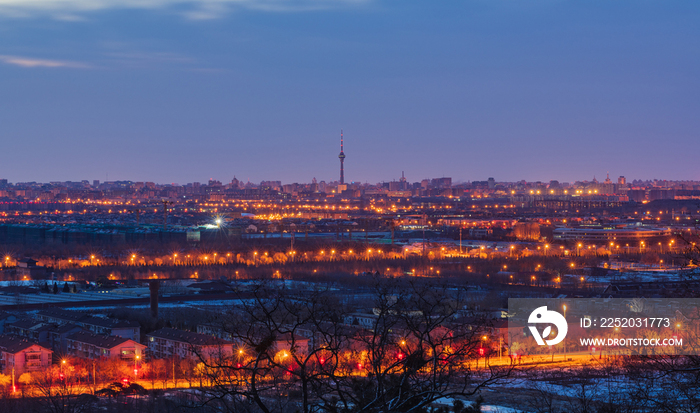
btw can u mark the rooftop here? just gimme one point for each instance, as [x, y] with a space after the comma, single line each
[98, 340]
[82, 318]
[14, 344]
[187, 337]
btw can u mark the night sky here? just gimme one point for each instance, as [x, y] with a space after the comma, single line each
[182, 91]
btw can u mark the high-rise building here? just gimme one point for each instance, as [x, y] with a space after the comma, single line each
[404, 185]
[492, 183]
[441, 183]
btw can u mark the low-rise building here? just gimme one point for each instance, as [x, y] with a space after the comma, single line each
[6, 318]
[29, 268]
[19, 355]
[58, 336]
[36, 331]
[121, 328]
[169, 342]
[302, 341]
[88, 345]
[361, 320]
[292, 343]
[629, 233]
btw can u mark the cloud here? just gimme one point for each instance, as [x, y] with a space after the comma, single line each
[136, 59]
[33, 62]
[70, 10]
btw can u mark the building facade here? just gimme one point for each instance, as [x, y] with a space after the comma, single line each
[19, 355]
[88, 345]
[169, 342]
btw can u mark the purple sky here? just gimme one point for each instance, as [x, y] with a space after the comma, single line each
[182, 91]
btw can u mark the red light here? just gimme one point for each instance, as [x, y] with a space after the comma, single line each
[400, 356]
[322, 360]
[239, 365]
[482, 351]
[136, 372]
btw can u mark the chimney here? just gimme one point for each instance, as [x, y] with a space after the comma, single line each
[154, 285]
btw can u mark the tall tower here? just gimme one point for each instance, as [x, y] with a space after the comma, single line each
[342, 159]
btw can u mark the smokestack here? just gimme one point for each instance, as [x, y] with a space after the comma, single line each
[154, 285]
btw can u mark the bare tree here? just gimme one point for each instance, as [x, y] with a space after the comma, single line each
[61, 392]
[417, 351]
[297, 352]
[666, 383]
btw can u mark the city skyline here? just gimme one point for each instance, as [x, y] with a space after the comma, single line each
[224, 181]
[176, 91]
[402, 178]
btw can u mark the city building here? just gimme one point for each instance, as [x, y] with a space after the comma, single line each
[5, 319]
[30, 329]
[169, 342]
[88, 345]
[126, 329]
[623, 234]
[19, 355]
[58, 336]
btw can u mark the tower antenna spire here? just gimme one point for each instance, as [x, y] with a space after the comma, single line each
[342, 159]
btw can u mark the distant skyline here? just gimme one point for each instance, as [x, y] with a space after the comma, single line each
[454, 182]
[188, 90]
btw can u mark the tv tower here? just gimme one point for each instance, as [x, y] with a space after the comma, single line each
[342, 159]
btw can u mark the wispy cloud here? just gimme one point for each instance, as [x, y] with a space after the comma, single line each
[136, 59]
[34, 62]
[71, 10]
[138, 55]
